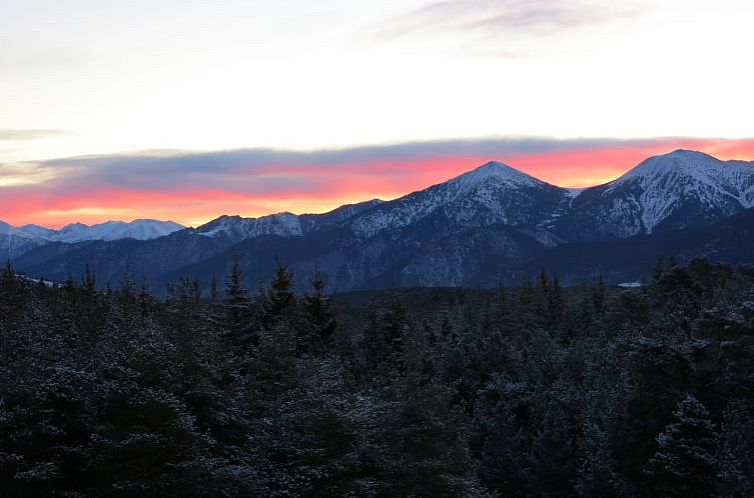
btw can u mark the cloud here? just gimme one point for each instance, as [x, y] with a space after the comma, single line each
[11, 134]
[510, 28]
[191, 187]
[264, 171]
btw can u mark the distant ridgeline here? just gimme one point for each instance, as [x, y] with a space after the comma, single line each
[538, 390]
[491, 226]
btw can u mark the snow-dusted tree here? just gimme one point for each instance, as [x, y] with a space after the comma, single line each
[685, 464]
[235, 313]
[382, 345]
[278, 300]
[319, 320]
[736, 475]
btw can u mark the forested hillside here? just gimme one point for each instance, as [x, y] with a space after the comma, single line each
[540, 390]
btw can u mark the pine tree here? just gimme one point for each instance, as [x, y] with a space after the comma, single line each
[382, 345]
[214, 293]
[544, 280]
[598, 296]
[234, 290]
[685, 464]
[657, 271]
[236, 313]
[736, 475]
[319, 319]
[279, 299]
[555, 304]
[15, 295]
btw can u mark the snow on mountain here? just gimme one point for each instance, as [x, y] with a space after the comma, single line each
[284, 224]
[492, 193]
[13, 245]
[338, 215]
[15, 241]
[237, 228]
[30, 231]
[676, 190]
[142, 229]
[34, 231]
[668, 181]
[572, 193]
[74, 232]
[78, 232]
[495, 172]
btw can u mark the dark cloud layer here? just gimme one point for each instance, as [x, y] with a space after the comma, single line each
[265, 169]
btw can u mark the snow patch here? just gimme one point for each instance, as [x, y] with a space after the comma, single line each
[629, 285]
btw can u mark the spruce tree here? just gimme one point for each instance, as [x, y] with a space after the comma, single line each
[685, 463]
[278, 300]
[319, 320]
[736, 474]
[236, 313]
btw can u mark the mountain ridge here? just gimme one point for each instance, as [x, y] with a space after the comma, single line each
[140, 229]
[481, 226]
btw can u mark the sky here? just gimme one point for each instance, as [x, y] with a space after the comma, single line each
[188, 110]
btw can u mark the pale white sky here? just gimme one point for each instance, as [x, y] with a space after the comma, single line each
[103, 76]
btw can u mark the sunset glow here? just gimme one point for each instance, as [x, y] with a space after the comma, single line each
[189, 110]
[315, 182]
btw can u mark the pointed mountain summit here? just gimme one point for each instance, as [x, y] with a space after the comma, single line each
[490, 194]
[495, 171]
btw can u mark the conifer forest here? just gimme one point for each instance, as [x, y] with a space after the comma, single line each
[535, 391]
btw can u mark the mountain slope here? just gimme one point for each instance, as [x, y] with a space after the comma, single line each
[148, 259]
[420, 255]
[236, 228]
[730, 240]
[12, 246]
[109, 260]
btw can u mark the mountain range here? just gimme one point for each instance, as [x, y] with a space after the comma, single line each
[14, 241]
[490, 226]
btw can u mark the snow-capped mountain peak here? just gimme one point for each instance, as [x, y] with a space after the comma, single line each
[685, 173]
[495, 171]
[490, 194]
[688, 162]
[676, 190]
